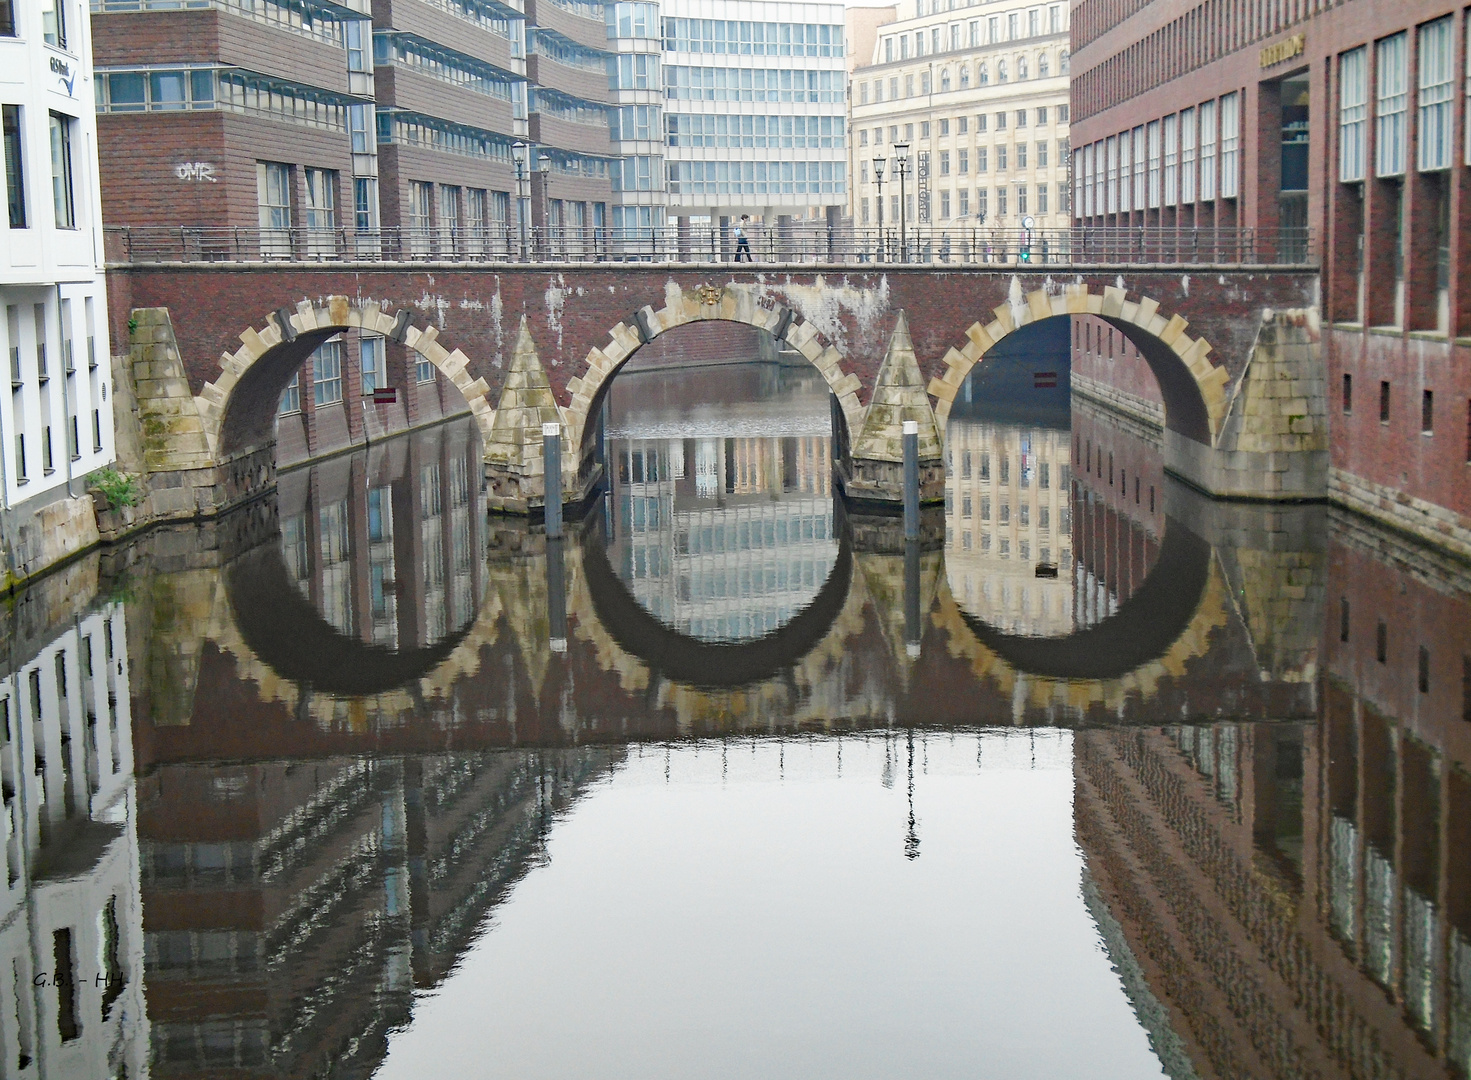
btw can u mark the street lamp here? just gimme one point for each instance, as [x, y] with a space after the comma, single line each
[518, 155]
[544, 167]
[901, 166]
[878, 174]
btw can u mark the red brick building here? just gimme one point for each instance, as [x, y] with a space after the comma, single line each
[1337, 131]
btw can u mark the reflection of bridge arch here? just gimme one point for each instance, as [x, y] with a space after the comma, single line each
[703, 664]
[239, 408]
[734, 302]
[1142, 630]
[284, 629]
[1192, 387]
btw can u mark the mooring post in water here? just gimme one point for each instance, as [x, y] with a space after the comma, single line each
[911, 479]
[551, 457]
[911, 599]
[556, 595]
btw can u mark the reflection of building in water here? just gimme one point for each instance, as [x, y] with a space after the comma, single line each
[293, 907]
[722, 513]
[71, 944]
[1118, 509]
[733, 547]
[1299, 897]
[388, 546]
[1006, 509]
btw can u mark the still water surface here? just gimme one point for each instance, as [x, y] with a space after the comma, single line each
[728, 783]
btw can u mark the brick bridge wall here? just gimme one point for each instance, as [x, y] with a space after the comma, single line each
[571, 310]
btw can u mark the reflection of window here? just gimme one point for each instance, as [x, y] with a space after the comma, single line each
[1005, 513]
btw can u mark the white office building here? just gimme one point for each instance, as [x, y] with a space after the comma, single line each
[56, 422]
[978, 93]
[754, 110]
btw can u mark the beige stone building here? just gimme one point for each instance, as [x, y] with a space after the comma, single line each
[1006, 510]
[980, 95]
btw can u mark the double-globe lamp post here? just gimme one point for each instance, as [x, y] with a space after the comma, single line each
[518, 155]
[878, 174]
[901, 167]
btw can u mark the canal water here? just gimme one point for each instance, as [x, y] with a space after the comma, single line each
[1104, 779]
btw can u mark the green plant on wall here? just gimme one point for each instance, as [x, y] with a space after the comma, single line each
[119, 489]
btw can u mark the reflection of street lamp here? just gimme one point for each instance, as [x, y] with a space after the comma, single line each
[901, 166]
[518, 154]
[911, 838]
[878, 174]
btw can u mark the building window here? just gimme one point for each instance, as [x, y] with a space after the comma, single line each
[962, 161]
[1021, 155]
[371, 352]
[1154, 163]
[1391, 130]
[1126, 171]
[7, 19]
[273, 190]
[1353, 113]
[963, 197]
[421, 195]
[945, 163]
[1230, 139]
[1001, 71]
[365, 203]
[1021, 199]
[1436, 89]
[1384, 402]
[1000, 159]
[61, 171]
[449, 210]
[358, 34]
[424, 371]
[53, 22]
[1348, 394]
[982, 159]
[321, 199]
[1427, 412]
[1424, 673]
[1044, 66]
[1111, 185]
[1001, 202]
[983, 75]
[981, 200]
[1042, 198]
[291, 396]
[965, 76]
[327, 374]
[863, 93]
[1208, 151]
[15, 188]
[944, 204]
[1187, 156]
[1172, 161]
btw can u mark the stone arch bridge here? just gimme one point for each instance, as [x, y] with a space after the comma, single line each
[1235, 351]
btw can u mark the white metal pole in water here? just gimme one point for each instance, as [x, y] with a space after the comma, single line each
[911, 480]
[551, 457]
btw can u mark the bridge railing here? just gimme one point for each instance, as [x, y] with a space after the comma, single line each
[798, 242]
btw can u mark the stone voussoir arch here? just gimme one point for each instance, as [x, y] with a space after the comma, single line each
[1111, 303]
[339, 313]
[733, 302]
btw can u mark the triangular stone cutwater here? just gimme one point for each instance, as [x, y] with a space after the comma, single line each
[898, 395]
[526, 402]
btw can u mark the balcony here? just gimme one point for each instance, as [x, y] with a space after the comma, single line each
[549, 130]
[401, 87]
[578, 82]
[435, 21]
[589, 32]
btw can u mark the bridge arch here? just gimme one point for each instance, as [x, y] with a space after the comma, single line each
[1193, 389]
[238, 408]
[733, 302]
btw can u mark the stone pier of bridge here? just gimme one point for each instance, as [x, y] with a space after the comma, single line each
[1235, 351]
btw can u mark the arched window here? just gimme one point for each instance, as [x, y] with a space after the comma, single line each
[1021, 67]
[983, 75]
[965, 77]
[1062, 62]
[1044, 66]
[1001, 71]
[944, 80]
